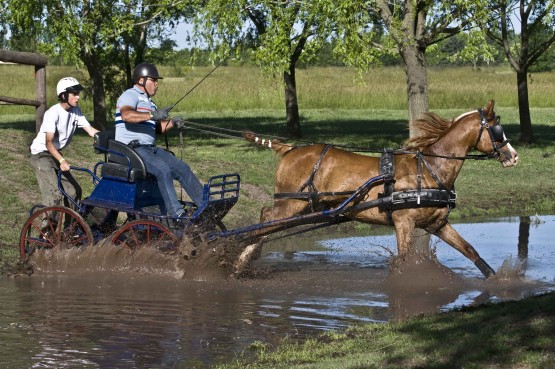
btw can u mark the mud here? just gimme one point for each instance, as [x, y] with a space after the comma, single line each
[200, 262]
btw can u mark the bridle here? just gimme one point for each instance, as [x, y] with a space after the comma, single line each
[495, 131]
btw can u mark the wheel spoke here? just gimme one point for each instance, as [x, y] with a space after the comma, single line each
[45, 229]
[139, 233]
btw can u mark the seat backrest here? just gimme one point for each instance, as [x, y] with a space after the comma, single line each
[135, 160]
[101, 140]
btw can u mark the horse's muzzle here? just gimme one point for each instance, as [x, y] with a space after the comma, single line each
[508, 156]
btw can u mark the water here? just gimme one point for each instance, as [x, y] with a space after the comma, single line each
[101, 318]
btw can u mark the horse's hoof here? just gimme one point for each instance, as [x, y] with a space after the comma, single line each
[486, 270]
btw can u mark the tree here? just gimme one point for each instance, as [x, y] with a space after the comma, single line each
[537, 33]
[283, 33]
[99, 35]
[411, 28]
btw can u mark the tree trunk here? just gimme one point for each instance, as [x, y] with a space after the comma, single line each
[99, 96]
[417, 92]
[526, 133]
[291, 104]
[417, 83]
[127, 66]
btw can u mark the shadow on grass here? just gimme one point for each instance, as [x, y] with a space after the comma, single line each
[500, 335]
[364, 133]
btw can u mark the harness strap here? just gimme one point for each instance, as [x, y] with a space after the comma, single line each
[309, 184]
[419, 198]
[310, 181]
[387, 168]
[309, 195]
[432, 173]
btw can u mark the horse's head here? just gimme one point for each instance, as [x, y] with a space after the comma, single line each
[491, 137]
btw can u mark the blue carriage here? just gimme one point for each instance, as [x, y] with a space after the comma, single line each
[126, 207]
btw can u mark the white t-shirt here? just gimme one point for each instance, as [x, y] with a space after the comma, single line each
[60, 122]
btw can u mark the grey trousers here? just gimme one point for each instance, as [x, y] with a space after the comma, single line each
[46, 169]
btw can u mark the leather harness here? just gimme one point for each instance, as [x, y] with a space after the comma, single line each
[390, 200]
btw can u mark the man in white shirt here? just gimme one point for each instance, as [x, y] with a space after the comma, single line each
[57, 129]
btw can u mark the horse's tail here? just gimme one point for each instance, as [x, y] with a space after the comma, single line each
[279, 147]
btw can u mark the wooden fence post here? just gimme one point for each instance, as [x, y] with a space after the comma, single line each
[39, 61]
[40, 94]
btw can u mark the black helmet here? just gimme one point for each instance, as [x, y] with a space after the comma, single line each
[145, 70]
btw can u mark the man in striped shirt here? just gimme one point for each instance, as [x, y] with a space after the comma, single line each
[138, 121]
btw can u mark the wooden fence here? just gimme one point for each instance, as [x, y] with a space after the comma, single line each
[39, 61]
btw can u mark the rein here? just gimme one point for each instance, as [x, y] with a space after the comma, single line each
[236, 134]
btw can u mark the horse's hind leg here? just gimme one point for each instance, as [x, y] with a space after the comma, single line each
[448, 234]
[253, 251]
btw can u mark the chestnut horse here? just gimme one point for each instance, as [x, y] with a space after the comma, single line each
[430, 160]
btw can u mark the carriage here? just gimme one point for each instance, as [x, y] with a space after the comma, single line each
[126, 207]
[316, 185]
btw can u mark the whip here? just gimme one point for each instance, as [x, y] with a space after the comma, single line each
[195, 86]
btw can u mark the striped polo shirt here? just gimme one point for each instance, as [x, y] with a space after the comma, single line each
[145, 131]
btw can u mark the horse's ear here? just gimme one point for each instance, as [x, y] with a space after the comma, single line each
[489, 108]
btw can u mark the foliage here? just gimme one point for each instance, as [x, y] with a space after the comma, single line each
[105, 36]
[536, 20]
[370, 29]
[281, 35]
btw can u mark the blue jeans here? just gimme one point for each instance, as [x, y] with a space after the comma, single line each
[166, 167]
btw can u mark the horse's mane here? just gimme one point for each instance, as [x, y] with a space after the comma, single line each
[429, 128]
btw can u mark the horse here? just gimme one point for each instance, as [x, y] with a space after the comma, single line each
[319, 176]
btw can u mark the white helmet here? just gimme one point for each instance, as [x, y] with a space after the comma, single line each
[68, 84]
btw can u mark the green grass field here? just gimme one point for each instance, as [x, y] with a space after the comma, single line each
[336, 109]
[246, 88]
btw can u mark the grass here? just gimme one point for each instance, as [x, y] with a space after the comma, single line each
[335, 109]
[519, 334]
[246, 88]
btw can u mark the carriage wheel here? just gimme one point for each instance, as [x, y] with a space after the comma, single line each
[141, 232]
[53, 225]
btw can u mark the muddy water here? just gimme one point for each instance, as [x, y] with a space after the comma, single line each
[100, 309]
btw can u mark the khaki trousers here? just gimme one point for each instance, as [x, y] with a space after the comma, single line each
[46, 169]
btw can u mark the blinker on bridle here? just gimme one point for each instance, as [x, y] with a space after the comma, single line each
[495, 131]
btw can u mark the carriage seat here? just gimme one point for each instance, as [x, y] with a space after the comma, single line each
[121, 161]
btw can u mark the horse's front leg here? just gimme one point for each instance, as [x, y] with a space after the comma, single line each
[448, 234]
[404, 231]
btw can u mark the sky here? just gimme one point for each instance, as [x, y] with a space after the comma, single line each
[180, 36]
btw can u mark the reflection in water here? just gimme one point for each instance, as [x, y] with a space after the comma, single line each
[523, 236]
[144, 316]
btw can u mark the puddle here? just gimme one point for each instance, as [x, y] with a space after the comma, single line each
[116, 314]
